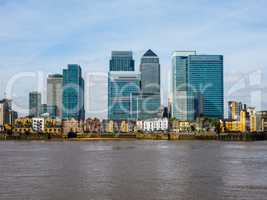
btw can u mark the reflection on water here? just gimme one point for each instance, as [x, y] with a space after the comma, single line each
[133, 170]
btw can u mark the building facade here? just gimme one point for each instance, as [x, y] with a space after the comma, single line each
[182, 100]
[149, 98]
[197, 85]
[234, 109]
[121, 61]
[54, 95]
[35, 99]
[73, 93]
[261, 121]
[5, 112]
[121, 88]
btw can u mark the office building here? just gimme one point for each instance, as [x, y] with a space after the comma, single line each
[182, 100]
[150, 98]
[73, 93]
[197, 85]
[206, 77]
[5, 112]
[54, 94]
[35, 104]
[121, 87]
[121, 61]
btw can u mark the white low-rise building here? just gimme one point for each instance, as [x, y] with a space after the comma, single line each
[157, 124]
[38, 124]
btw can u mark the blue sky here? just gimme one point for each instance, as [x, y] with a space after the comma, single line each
[44, 36]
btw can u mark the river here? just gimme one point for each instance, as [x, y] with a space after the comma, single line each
[133, 170]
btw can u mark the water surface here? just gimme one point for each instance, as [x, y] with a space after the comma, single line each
[133, 170]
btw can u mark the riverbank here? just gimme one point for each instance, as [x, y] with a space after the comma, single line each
[139, 136]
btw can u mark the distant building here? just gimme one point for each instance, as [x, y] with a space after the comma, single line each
[54, 95]
[197, 76]
[35, 99]
[5, 112]
[121, 61]
[38, 124]
[153, 125]
[121, 87]
[150, 99]
[43, 109]
[72, 125]
[73, 93]
[261, 121]
[234, 109]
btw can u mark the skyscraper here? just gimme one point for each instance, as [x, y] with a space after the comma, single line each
[121, 61]
[35, 104]
[121, 88]
[73, 93]
[182, 100]
[123, 82]
[150, 86]
[150, 73]
[54, 95]
[5, 112]
[197, 78]
[206, 78]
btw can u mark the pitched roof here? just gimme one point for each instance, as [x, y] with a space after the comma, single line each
[150, 53]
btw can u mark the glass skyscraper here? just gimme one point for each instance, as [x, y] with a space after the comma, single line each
[150, 86]
[73, 93]
[35, 104]
[206, 77]
[121, 88]
[183, 102]
[197, 85]
[54, 95]
[121, 61]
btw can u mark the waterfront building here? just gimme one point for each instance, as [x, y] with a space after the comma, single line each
[73, 93]
[261, 121]
[107, 126]
[180, 126]
[38, 124]
[157, 124]
[234, 109]
[121, 61]
[92, 125]
[54, 95]
[197, 82]
[5, 115]
[72, 125]
[35, 99]
[121, 88]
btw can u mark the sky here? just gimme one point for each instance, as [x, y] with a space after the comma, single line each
[40, 37]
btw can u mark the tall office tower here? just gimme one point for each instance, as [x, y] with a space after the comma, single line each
[73, 93]
[206, 79]
[197, 85]
[121, 61]
[234, 109]
[121, 88]
[150, 86]
[182, 100]
[122, 82]
[150, 73]
[35, 104]
[5, 112]
[54, 95]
